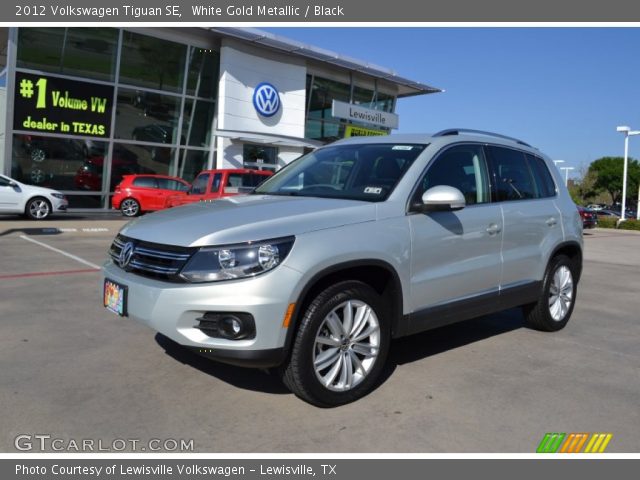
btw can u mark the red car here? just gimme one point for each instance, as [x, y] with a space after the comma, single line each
[145, 193]
[589, 217]
[212, 184]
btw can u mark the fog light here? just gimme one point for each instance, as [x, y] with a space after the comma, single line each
[231, 326]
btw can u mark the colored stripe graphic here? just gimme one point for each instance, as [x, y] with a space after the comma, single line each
[573, 442]
[550, 442]
[598, 443]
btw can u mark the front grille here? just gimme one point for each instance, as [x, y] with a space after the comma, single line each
[152, 259]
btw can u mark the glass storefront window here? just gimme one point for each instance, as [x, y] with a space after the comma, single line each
[60, 163]
[202, 80]
[324, 130]
[129, 159]
[83, 52]
[152, 63]
[259, 157]
[155, 95]
[197, 122]
[363, 97]
[147, 116]
[323, 92]
[191, 163]
[385, 102]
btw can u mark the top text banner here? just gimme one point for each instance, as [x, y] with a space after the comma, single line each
[315, 11]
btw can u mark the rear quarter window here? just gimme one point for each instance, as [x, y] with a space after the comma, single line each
[542, 176]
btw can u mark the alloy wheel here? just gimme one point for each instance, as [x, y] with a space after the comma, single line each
[130, 207]
[346, 346]
[560, 293]
[39, 209]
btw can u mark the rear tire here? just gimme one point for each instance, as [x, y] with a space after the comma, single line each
[554, 307]
[341, 346]
[130, 207]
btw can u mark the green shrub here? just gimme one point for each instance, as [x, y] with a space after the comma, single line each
[630, 225]
[607, 222]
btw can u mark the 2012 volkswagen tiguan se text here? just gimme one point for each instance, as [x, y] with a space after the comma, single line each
[350, 246]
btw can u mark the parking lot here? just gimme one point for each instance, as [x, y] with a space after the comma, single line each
[72, 370]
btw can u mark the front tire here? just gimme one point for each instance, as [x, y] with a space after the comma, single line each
[38, 208]
[341, 346]
[558, 297]
[130, 207]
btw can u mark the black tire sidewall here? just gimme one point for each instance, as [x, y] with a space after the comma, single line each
[305, 342]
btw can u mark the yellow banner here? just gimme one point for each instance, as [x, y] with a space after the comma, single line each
[354, 131]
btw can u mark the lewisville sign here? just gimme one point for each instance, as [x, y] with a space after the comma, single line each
[47, 104]
[360, 114]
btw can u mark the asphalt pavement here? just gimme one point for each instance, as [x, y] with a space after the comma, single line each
[71, 370]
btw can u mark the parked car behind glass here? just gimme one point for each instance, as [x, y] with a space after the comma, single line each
[36, 203]
[146, 193]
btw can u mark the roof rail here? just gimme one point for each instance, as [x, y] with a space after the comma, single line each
[457, 131]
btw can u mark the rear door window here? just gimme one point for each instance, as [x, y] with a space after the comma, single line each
[145, 182]
[512, 177]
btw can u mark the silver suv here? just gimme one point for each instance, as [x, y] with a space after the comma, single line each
[355, 244]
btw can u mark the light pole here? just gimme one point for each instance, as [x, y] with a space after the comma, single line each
[566, 175]
[627, 132]
[556, 162]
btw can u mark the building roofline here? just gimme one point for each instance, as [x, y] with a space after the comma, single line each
[309, 52]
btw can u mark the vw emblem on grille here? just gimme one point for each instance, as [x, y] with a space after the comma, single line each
[266, 99]
[125, 255]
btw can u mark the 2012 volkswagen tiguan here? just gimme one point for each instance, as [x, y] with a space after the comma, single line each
[350, 246]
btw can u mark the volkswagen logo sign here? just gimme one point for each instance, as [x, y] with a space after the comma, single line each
[266, 99]
[125, 255]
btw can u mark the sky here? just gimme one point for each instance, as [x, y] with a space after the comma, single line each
[563, 90]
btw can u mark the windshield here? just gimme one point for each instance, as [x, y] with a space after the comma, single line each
[367, 172]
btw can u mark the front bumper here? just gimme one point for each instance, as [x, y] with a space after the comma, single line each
[172, 309]
[60, 205]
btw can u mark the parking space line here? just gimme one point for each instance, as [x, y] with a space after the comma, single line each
[44, 274]
[62, 252]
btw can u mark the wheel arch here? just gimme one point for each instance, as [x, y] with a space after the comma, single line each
[573, 250]
[378, 274]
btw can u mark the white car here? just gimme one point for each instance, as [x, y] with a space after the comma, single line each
[36, 203]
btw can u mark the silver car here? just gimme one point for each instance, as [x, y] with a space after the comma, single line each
[355, 244]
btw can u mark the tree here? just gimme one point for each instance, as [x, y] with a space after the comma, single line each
[608, 177]
[583, 190]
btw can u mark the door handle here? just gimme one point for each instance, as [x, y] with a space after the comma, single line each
[493, 229]
[551, 221]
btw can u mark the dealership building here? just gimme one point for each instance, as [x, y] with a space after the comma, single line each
[81, 107]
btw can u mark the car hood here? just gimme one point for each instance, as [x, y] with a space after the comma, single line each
[34, 190]
[246, 218]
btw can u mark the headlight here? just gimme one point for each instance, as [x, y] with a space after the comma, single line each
[58, 195]
[212, 264]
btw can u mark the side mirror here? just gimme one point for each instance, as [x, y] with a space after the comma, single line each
[442, 198]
